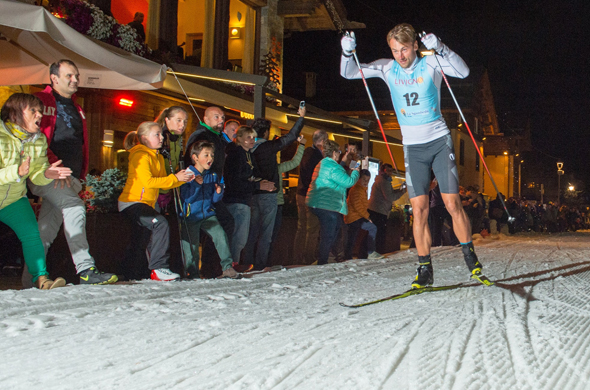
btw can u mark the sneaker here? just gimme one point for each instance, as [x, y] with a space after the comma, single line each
[375, 256]
[94, 276]
[44, 283]
[230, 273]
[164, 275]
[424, 276]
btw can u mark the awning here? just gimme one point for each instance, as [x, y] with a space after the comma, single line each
[31, 39]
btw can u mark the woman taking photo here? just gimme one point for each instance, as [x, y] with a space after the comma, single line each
[326, 197]
[23, 155]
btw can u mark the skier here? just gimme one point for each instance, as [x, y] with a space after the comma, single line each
[414, 83]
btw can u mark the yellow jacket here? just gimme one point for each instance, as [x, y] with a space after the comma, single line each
[357, 204]
[146, 176]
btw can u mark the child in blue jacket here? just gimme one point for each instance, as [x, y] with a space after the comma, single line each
[198, 198]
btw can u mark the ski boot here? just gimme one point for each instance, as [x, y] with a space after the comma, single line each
[474, 265]
[424, 273]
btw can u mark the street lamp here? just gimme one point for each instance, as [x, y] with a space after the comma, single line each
[559, 174]
[571, 188]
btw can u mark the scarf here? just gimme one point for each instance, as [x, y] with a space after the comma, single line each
[20, 133]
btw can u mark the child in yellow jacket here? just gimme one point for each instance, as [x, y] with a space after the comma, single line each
[146, 176]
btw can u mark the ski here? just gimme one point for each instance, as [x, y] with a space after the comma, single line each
[482, 279]
[409, 293]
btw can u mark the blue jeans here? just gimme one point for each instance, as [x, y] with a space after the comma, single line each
[353, 229]
[241, 214]
[262, 223]
[330, 224]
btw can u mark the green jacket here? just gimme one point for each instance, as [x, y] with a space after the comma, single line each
[328, 186]
[286, 167]
[13, 187]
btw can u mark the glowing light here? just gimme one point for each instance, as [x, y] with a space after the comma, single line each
[126, 102]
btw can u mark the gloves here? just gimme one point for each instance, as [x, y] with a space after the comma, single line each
[431, 42]
[348, 43]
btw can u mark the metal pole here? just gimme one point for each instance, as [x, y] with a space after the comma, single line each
[519, 166]
[558, 187]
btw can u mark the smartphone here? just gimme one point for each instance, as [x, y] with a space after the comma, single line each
[354, 164]
[302, 104]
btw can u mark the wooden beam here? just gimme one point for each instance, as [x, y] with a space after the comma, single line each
[255, 3]
[296, 8]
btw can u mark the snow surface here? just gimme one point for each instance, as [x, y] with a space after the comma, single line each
[286, 329]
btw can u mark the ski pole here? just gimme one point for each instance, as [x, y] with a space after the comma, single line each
[178, 209]
[374, 109]
[511, 219]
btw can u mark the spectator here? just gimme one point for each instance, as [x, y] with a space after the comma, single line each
[23, 155]
[264, 204]
[173, 122]
[308, 226]
[358, 217]
[137, 25]
[198, 198]
[147, 174]
[211, 130]
[230, 129]
[475, 209]
[327, 196]
[64, 125]
[286, 167]
[350, 154]
[497, 213]
[241, 180]
[382, 197]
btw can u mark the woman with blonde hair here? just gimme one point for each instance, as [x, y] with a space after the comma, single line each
[146, 176]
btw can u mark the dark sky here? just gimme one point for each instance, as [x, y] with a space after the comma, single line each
[532, 50]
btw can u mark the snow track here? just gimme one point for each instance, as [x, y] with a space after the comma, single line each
[285, 329]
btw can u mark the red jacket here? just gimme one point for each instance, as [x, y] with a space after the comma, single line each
[48, 125]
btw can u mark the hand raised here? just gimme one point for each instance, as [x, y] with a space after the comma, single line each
[23, 169]
[185, 175]
[61, 175]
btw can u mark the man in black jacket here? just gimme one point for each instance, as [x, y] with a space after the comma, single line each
[308, 225]
[264, 204]
[211, 129]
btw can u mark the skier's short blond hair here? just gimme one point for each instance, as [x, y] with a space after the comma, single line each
[404, 33]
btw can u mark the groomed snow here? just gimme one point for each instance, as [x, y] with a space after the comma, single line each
[286, 329]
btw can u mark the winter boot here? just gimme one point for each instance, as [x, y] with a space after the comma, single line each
[424, 273]
[44, 283]
[471, 258]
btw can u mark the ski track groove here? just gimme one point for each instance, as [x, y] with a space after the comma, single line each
[399, 356]
[564, 367]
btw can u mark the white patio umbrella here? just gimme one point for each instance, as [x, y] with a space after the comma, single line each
[31, 39]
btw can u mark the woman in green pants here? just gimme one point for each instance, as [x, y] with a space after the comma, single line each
[23, 155]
